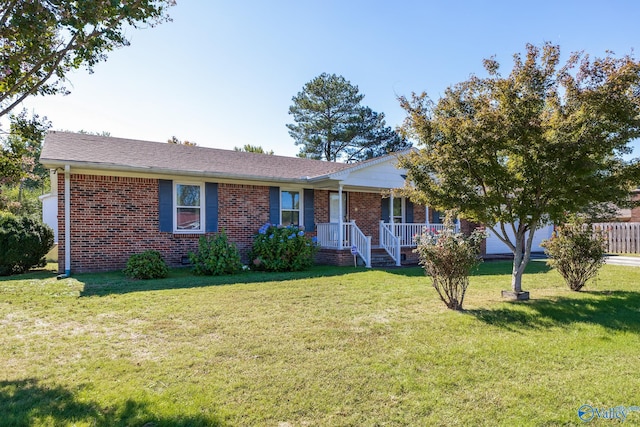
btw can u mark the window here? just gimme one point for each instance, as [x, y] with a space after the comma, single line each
[398, 210]
[290, 208]
[189, 215]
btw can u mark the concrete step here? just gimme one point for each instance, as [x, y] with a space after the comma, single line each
[380, 258]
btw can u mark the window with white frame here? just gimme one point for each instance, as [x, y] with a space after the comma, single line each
[398, 210]
[290, 207]
[188, 207]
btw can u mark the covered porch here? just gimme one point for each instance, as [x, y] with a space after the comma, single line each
[391, 236]
[355, 210]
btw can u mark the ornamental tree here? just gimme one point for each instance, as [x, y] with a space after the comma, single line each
[517, 151]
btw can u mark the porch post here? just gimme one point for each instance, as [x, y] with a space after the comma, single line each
[340, 219]
[391, 210]
[426, 213]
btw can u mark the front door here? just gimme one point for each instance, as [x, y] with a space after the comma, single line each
[334, 207]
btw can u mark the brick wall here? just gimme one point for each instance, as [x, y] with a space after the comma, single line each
[635, 212]
[334, 257]
[115, 217]
[242, 209]
[321, 206]
[366, 210]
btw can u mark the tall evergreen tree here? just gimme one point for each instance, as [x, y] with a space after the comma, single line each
[331, 124]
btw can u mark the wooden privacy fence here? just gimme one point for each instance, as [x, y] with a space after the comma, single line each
[622, 237]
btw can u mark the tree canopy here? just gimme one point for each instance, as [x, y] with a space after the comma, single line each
[248, 148]
[41, 41]
[514, 152]
[331, 124]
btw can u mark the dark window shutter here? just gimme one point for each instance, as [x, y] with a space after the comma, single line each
[274, 205]
[309, 220]
[165, 204]
[211, 206]
[408, 214]
[386, 213]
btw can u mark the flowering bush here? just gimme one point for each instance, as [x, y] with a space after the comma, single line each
[448, 257]
[576, 251]
[278, 248]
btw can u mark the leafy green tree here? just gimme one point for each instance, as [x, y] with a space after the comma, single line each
[248, 148]
[515, 152]
[26, 135]
[20, 158]
[331, 124]
[42, 41]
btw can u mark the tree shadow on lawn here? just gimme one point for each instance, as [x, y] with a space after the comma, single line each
[613, 310]
[28, 402]
[102, 284]
[486, 268]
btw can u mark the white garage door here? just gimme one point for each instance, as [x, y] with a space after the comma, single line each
[495, 245]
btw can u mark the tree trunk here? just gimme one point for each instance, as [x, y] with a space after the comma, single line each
[516, 274]
[521, 256]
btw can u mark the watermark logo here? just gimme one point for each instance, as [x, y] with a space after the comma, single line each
[587, 413]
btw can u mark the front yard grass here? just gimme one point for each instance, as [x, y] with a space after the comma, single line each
[332, 346]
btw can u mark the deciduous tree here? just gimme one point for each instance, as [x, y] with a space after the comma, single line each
[514, 152]
[41, 41]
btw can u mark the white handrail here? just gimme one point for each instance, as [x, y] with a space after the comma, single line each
[390, 242]
[362, 243]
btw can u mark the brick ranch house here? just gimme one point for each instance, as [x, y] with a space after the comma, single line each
[116, 197]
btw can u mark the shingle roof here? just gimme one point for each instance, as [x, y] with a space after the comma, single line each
[100, 152]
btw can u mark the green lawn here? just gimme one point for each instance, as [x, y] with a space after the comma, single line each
[333, 346]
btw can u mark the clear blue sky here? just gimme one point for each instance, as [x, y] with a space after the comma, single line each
[223, 73]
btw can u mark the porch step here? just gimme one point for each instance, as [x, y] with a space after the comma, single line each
[380, 258]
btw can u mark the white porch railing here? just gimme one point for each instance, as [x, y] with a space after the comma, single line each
[330, 236]
[407, 231]
[393, 237]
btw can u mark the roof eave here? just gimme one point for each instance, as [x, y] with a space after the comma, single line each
[55, 164]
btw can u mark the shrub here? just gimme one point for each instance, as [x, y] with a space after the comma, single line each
[448, 257]
[576, 251]
[216, 256]
[146, 265]
[24, 242]
[278, 248]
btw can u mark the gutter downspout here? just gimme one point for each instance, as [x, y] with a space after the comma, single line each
[340, 219]
[67, 220]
